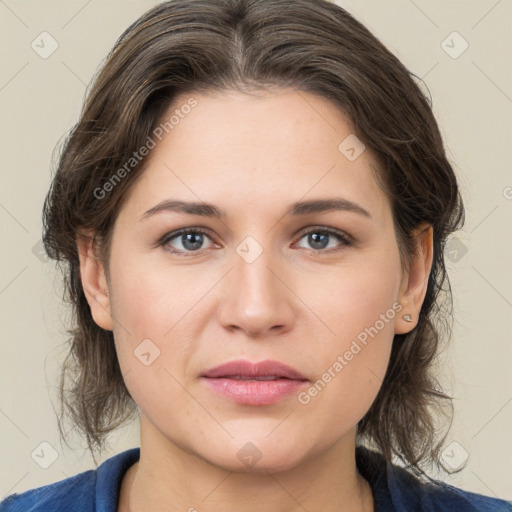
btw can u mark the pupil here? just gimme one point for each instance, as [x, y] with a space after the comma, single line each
[189, 238]
[314, 237]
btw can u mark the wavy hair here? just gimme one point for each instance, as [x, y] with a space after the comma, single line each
[314, 46]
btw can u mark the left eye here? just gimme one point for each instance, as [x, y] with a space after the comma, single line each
[318, 237]
[191, 240]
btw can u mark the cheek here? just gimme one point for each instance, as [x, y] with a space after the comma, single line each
[350, 366]
[355, 297]
[152, 300]
[158, 315]
[151, 349]
[358, 311]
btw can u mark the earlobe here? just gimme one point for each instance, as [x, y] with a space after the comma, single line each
[413, 287]
[94, 282]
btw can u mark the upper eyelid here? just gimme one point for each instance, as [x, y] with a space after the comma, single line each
[330, 230]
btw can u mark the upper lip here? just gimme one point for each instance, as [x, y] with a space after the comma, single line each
[243, 368]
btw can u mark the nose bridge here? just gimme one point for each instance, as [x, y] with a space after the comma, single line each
[252, 268]
[257, 300]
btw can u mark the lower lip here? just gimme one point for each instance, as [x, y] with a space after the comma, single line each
[254, 392]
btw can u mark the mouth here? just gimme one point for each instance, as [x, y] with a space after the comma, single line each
[263, 370]
[247, 377]
[263, 383]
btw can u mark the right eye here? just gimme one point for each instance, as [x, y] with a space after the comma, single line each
[190, 239]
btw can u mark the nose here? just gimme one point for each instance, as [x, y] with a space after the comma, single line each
[256, 297]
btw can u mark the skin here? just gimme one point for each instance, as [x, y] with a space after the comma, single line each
[252, 156]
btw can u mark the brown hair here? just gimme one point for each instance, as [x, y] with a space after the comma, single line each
[182, 46]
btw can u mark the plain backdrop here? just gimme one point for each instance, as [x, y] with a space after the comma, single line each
[471, 88]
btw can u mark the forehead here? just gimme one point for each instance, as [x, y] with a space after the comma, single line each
[253, 151]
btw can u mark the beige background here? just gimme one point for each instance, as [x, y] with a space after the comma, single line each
[472, 97]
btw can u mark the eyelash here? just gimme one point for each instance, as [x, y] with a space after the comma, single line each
[345, 239]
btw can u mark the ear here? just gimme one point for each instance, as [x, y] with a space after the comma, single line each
[413, 287]
[94, 282]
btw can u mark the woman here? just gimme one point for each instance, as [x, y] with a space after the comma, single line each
[253, 208]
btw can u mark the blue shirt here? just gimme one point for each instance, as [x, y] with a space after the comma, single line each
[394, 490]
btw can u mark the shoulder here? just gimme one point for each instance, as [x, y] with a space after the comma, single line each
[74, 493]
[397, 489]
[95, 489]
[416, 494]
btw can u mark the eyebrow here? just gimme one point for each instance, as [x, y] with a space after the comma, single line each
[296, 209]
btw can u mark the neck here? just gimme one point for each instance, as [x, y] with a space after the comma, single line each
[168, 478]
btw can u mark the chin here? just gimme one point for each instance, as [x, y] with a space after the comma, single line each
[250, 458]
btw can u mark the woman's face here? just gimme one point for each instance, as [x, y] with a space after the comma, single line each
[262, 282]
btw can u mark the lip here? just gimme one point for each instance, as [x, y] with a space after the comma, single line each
[235, 380]
[244, 368]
